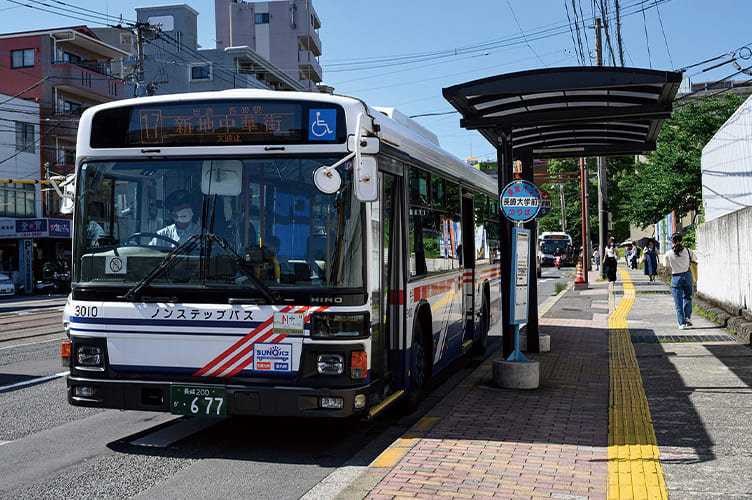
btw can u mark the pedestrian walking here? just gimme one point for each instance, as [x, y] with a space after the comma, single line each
[635, 256]
[597, 258]
[651, 260]
[681, 279]
[628, 255]
[609, 261]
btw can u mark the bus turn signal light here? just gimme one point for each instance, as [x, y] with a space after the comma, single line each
[65, 352]
[358, 365]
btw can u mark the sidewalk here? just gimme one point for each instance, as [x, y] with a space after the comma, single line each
[628, 407]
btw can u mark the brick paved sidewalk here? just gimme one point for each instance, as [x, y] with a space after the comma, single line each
[546, 443]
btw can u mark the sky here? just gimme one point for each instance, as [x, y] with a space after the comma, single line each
[402, 53]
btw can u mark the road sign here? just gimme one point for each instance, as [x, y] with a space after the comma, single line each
[545, 204]
[520, 201]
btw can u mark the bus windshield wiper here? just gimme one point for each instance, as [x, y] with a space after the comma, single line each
[270, 295]
[135, 292]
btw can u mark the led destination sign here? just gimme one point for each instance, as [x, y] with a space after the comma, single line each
[218, 123]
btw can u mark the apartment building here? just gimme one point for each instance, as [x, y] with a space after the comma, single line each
[64, 71]
[285, 32]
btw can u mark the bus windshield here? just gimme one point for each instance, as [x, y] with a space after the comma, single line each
[550, 246]
[237, 223]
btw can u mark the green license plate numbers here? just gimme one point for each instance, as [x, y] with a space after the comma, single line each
[198, 401]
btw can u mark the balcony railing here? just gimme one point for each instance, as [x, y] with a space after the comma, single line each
[97, 67]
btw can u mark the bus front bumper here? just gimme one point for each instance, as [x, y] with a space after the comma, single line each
[241, 400]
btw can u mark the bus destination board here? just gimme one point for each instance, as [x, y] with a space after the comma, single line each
[218, 123]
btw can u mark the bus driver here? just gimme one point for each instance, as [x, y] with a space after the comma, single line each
[180, 204]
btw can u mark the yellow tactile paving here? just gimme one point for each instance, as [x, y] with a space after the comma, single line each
[633, 466]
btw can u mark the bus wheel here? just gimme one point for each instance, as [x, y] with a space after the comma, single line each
[418, 372]
[482, 343]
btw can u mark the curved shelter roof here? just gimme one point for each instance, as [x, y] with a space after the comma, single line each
[571, 111]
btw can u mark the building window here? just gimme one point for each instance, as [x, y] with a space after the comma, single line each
[201, 72]
[71, 58]
[72, 108]
[25, 137]
[262, 18]
[22, 58]
[17, 200]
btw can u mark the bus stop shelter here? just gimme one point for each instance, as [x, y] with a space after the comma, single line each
[561, 113]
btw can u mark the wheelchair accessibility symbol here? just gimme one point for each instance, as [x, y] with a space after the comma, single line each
[323, 124]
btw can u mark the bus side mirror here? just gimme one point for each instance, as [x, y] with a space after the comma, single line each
[366, 179]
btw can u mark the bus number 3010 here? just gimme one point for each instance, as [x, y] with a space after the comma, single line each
[87, 311]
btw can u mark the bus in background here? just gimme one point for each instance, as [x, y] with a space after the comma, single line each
[272, 253]
[549, 242]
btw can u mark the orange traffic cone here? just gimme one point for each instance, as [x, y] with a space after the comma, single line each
[580, 279]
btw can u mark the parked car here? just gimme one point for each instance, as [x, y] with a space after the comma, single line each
[6, 285]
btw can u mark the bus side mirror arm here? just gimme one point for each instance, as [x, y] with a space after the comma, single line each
[366, 169]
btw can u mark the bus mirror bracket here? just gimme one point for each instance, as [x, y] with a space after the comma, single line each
[368, 145]
[68, 184]
[366, 185]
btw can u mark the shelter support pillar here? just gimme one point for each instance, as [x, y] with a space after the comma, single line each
[585, 228]
[504, 170]
[532, 330]
[602, 210]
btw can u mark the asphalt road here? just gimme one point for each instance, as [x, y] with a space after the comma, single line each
[49, 449]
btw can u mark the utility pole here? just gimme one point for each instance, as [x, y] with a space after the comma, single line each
[140, 85]
[562, 202]
[602, 178]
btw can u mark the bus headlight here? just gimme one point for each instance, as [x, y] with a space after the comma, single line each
[340, 325]
[330, 364]
[89, 355]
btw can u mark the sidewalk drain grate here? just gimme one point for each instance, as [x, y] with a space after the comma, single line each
[669, 339]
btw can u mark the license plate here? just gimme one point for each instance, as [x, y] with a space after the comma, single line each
[198, 401]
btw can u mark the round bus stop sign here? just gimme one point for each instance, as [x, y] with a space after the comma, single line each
[520, 201]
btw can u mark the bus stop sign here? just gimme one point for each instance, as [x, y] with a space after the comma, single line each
[520, 201]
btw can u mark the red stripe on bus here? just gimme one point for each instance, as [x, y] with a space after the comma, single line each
[238, 344]
[247, 362]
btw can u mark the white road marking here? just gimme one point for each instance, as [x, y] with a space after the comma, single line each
[33, 343]
[33, 381]
[184, 428]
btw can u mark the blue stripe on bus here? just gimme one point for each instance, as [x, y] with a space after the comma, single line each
[194, 332]
[165, 322]
[172, 370]
[169, 322]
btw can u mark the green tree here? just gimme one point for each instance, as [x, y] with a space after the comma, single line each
[671, 179]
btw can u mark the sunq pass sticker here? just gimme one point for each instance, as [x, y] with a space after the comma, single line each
[272, 357]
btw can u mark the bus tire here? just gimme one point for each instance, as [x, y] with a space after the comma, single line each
[418, 372]
[485, 320]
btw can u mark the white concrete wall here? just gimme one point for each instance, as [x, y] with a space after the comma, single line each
[727, 165]
[724, 247]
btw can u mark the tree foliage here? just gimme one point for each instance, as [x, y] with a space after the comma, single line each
[671, 179]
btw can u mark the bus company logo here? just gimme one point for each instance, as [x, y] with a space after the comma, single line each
[327, 300]
[272, 357]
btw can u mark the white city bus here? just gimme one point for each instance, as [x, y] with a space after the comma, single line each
[267, 253]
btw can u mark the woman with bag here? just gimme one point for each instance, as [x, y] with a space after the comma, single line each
[650, 259]
[681, 279]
